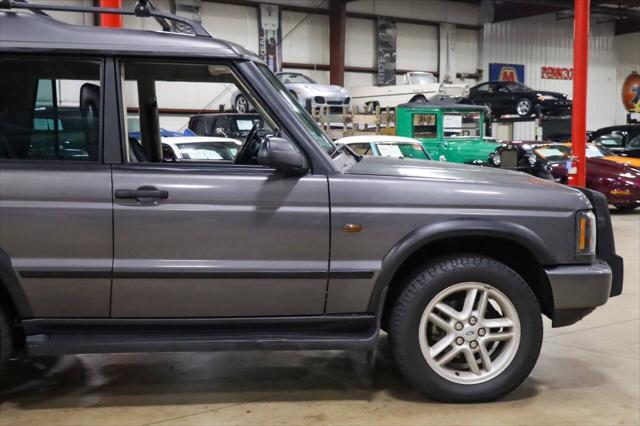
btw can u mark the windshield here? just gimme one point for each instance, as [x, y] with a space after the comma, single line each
[461, 125]
[597, 151]
[402, 150]
[516, 87]
[305, 119]
[294, 78]
[421, 78]
[550, 153]
[208, 150]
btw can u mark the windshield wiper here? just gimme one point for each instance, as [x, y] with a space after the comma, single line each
[345, 149]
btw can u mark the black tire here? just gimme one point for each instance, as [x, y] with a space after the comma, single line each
[419, 98]
[427, 282]
[525, 112]
[6, 338]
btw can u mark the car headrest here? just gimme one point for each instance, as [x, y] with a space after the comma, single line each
[89, 99]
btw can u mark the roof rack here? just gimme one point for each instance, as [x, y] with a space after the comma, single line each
[142, 9]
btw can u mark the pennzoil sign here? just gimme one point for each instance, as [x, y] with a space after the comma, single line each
[557, 73]
[631, 92]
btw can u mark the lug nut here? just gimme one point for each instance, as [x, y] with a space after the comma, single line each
[459, 341]
[473, 320]
[473, 344]
[482, 332]
[459, 326]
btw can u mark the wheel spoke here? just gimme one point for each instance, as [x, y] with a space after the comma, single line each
[469, 301]
[497, 323]
[485, 358]
[449, 356]
[483, 303]
[448, 310]
[505, 335]
[440, 322]
[471, 361]
[441, 345]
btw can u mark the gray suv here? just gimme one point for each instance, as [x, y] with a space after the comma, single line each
[292, 244]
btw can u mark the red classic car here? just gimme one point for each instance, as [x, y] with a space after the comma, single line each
[607, 173]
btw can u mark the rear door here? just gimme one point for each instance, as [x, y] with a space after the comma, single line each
[55, 193]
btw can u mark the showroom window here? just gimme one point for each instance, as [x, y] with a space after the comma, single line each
[161, 100]
[50, 109]
[425, 126]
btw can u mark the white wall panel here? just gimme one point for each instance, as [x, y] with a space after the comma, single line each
[305, 38]
[545, 41]
[417, 47]
[467, 50]
[628, 53]
[238, 24]
[360, 42]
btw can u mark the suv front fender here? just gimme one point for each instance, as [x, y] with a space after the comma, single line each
[441, 231]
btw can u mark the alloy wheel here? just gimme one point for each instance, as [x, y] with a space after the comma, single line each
[469, 333]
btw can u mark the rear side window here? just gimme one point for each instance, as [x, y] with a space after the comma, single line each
[49, 109]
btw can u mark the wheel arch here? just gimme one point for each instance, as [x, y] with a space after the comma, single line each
[515, 245]
[11, 293]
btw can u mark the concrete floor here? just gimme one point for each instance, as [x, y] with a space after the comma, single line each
[588, 373]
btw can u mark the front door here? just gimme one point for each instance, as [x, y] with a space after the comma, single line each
[206, 236]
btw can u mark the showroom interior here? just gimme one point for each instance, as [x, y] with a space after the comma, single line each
[238, 211]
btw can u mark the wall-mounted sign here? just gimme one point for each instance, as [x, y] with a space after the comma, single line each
[270, 36]
[506, 72]
[557, 73]
[631, 92]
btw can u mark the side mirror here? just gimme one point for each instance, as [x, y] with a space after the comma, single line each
[283, 156]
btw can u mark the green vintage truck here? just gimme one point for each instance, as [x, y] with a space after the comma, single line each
[449, 132]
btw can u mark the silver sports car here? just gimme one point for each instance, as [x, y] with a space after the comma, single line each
[306, 91]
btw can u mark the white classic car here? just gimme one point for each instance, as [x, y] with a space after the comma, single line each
[417, 86]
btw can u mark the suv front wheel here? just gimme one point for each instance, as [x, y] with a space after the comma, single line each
[466, 329]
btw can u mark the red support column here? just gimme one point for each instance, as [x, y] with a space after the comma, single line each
[110, 19]
[580, 63]
[337, 32]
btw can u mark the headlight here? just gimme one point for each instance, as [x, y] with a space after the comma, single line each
[546, 98]
[494, 157]
[532, 159]
[585, 232]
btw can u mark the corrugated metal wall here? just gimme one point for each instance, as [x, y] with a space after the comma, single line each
[546, 41]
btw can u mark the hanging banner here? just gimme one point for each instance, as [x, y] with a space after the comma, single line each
[506, 72]
[386, 52]
[270, 36]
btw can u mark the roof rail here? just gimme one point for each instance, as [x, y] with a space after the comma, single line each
[142, 9]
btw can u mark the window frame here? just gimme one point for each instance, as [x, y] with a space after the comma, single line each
[438, 117]
[204, 166]
[102, 62]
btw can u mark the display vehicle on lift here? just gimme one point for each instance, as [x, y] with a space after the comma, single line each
[294, 243]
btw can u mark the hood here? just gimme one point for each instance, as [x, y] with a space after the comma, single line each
[444, 171]
[324, 88]
[605, 166]
[633, 162]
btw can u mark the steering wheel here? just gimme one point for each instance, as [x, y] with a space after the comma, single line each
[248, 153]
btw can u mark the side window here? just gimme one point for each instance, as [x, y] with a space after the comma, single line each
[483, 88]
[610, 141]
[634, 143]
[165, 97]
[50, 109]
[425, 126]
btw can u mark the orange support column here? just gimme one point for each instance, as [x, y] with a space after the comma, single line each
[110, 19]
[579, 119]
